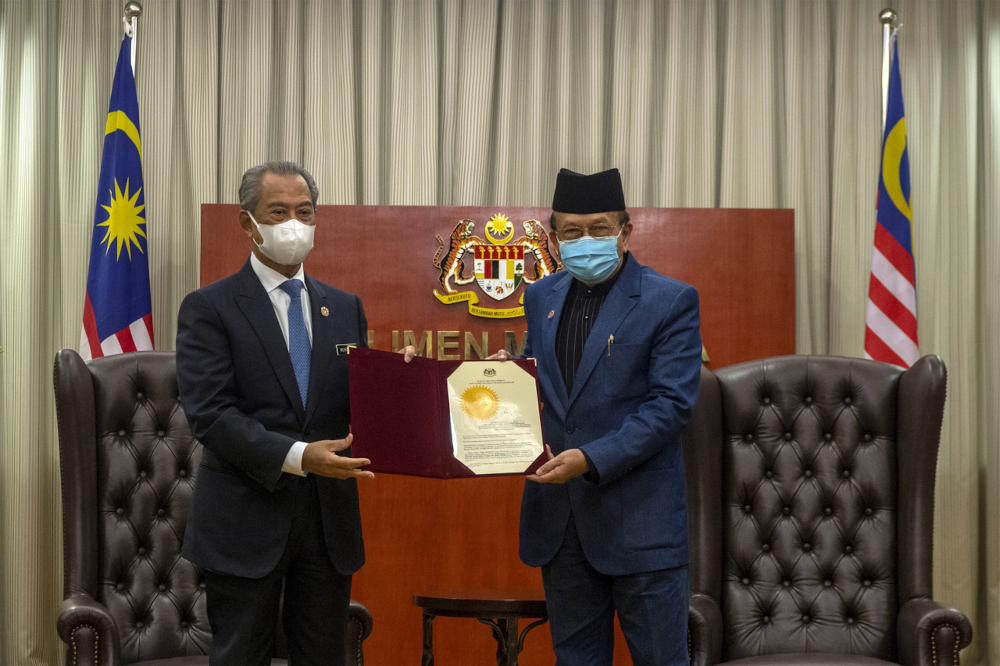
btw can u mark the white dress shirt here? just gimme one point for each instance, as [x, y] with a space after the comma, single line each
[272, 281]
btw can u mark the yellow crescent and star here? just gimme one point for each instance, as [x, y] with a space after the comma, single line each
[499, 230]
[125, 222]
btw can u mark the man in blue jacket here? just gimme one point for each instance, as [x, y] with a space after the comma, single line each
[619, 355]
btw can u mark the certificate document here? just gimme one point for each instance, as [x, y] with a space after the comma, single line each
[445, 419]
[495, 424]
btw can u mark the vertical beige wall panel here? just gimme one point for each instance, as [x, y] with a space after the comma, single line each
[752, 159]
[857, 147]
[330, 148]
[687, 165]
[985, 334]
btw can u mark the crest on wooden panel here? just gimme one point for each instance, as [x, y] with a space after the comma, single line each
[498, 264]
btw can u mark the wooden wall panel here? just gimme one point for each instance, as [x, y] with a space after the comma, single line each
[422, 534]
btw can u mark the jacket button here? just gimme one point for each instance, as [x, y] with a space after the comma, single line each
[570, 429]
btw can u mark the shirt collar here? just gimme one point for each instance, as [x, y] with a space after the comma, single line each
[272, 279]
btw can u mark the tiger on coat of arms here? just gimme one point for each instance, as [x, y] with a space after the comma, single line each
[537, 241]
[451, 264]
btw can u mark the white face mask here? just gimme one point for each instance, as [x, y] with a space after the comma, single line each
[287, 243]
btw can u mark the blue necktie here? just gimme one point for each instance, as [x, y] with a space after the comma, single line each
[299, 347]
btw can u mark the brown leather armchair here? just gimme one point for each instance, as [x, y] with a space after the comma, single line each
[811, 495]
[128, 464]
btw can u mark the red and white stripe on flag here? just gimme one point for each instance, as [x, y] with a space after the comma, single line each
[138, 336]
[891, 321]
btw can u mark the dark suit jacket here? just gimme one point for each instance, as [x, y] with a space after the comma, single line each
[627, 410]
[238, 389]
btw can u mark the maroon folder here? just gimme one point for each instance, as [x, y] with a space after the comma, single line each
[400, 416]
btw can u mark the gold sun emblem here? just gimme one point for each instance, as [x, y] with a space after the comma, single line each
[480, 403]
[499, 229]
[124, 223]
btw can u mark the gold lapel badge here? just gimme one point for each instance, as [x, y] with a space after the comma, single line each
[325, 311]
[551, 313]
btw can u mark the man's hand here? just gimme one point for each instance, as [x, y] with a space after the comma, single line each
[502, 355]
[321, 458]
[408, 352]
[561, 468]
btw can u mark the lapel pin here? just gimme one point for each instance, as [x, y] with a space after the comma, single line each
[324, 311]
[551, 313]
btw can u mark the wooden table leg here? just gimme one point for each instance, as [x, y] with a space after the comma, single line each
[510, 638]
[428, 657]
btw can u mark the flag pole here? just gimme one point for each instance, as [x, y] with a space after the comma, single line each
[130, 21]
[888, 18]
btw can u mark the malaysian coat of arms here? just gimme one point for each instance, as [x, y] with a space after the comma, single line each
[499, 264]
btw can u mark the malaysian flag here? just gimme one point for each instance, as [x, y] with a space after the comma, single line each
[118, 311]
[891, 322]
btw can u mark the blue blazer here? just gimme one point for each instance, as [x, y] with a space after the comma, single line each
[238, 390]
[626, 411]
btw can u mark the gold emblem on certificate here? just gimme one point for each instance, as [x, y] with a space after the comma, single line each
[480, 403]
[495, 422]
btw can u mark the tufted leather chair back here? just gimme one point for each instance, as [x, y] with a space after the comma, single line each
[128, 465]
[811, 486]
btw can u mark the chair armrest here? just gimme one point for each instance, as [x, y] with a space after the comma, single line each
[89, 632]
[359, 627]
[929, 633]
[704, 631]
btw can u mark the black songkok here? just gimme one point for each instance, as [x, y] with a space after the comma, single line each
[583, 194]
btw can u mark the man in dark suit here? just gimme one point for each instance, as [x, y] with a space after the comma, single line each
[262, 375]
[619, 356]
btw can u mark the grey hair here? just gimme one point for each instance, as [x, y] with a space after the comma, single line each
[251, 185]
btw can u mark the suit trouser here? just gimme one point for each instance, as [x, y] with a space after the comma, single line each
[243, 612]
[652, 609]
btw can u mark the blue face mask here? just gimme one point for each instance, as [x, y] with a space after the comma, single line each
[590, 260]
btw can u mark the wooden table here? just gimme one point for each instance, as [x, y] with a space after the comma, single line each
[501, 609]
